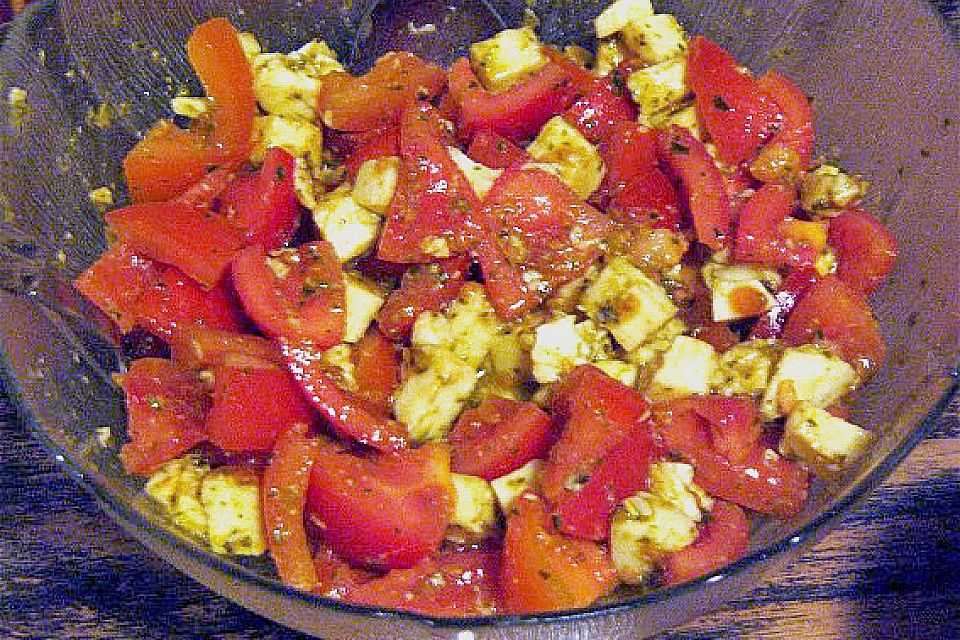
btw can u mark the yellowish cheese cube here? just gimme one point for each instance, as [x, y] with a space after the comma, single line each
[176, 487]
[474, 514]
[828, 444]
[563, 344]
[376, 183]
[619, 14]
[659, 89]
[301, 139]
[807, 374]
[346, 224]
[673, 481]
[509, 487]
[685, 117]
[363, 300]
[745, 368]
[287, 84]
[655, 38]
[643, 531]
[480, 177]
[232, 503]
[508, 58]
[578, 163]
[610, 53]
[687, 367]
[624, 372]
[191, 107]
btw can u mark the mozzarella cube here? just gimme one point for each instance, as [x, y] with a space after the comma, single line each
[628, 303]
[176, 487]
[615, 17]
[508, 58]
[344, 223]
[301, 139]
[740, 291]
[190, 107]
[687, 367]
[507, 370]
[480, 177]
[643, 531]
[658, 343]
[509, 487]
[827, 190]
[656, 38]
[578, 162]
[287, 84]
[250, 45]
[826, 443]
[376, 183]
[660, 89]
[338, 361]
[610, 53]
[673, 481]
[232, 503]
[624, 372]
[363, 300]
[807, 374]
[474, 514]
[744, 369]
[563, 344]
[686, 118]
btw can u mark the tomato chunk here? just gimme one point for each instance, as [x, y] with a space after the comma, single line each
[493, 150]
[377, 98]
[176, 302]
[385, 143]
[296, 294]
[866, 250]
[722, 540]
[770, 324]
[166, 408]
[265, 204]
[498, 437]
[597, 113]
[388, 510]
[759, 237]
[200, 346]
[425, 287]
[116, 281]
[796, 131]
[376, 362]
[544, 570]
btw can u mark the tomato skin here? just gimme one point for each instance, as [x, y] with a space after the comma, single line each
[797, 131]
[389, 510]
[831, 310]
[596, 412]
[202, 194]
[176, 302]
[115, 281]
[433, 200]
[306, 303]
[349, 415]
[766, 483]
[199, 244]
[252, 405]
[542, 569]
[376, 362]
[449, 584]
[386, 143]
[493, 150]
[770, 324]
[499, 437]
[758, 237]
[722, 540]
[701, 185]
[374, 100]
[166, 162]
[866, 250]
[648, 199]
[166, 409]
[283, 497]
[597, 113]
[265, 204]
[426, 287]
[516, 114]
[739, 116]
[735, 426]
[199, 346]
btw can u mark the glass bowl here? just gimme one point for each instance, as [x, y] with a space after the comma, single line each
[883, 76]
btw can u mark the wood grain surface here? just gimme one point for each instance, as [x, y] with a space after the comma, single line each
[889, 571]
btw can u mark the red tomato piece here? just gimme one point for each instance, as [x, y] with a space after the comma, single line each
[649, 199]
[283, 498]
[200, 346]
[424, 287]
[597, 113]
[203, 194]
[738, 115]
[518, 113]
[493, 150]
[348, 414]
[335, 577]
[833, 311]
[498, 437]
[300, 296]
[377, 98]
[763, 481]
[386, 143]
[388, 510]
[166, 162]
[265, 204]
[629, 151]
[701, 185]
[252, 405]
[621, 472]
[796, 131]
[735, 426]
[115, 281]
[175, 302]
[450, 584]
[544, 570]
[722, 540]
[596, 412]
[376, 364]
[866, 250]
[758, 236]
[166, 408]
[199, 244]
[536, 228]
[434, 202]
[770, 324]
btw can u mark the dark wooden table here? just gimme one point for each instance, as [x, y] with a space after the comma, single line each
[889, 571]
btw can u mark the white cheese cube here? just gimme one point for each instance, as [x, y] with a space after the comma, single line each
[610, 53]
[474, 514]
[480, 177]
[687, 367]
[176, 487]
[624, 372]
[508, 58]
[338, 360]
[563, 344]
[344, 223]
[301, 139]
[232, 504]
[659, 89]
[250, 45]
[807, 374]
[655, 38]
[376, 183]
[615, 17]
[673, 481]
[190, 107]
[643, 531]
[363, 300]
[828, 444]
[686, 118]
[658, 343]
[578, 162]
[745, 368]
[740, 291]
[287, 84]
[509, 487]
[628, 303]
